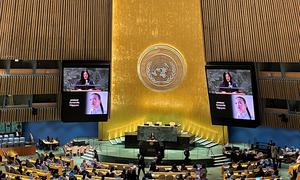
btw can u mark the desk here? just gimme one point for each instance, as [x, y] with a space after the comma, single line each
[21, 151]
[161, 133]
[183, 141]
[39, 172]
[49, 144]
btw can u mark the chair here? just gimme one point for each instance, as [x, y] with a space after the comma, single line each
[16, 144]
[1, 136]
[67, 150]
[11, 135]
[172, 123]
[149, 122]
[100, 174]
[5, 136]
[159, 123]
[22, 139]
[4, 144]
[7, 168]
[5, 140]
[161, 169]
[10, 144]
[161, 177]
[74, 150]
[22, 143]
[169, 177]
[82, 150]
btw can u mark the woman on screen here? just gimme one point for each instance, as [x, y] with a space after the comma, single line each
[96, 104]
[242, 109]
[228, 85]
[85, 83]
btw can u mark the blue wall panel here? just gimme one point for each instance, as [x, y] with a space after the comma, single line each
[64, 131]
[281, 137]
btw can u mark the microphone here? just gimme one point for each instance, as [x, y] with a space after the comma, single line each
[87, 82]
[229, 85]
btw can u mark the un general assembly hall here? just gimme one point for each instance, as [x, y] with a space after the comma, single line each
[150, 89]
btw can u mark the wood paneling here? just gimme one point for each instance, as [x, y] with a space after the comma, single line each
[29, 84]
[24, 114]
[273, 120]
[245, 30]
[279, 89]
[55, 29]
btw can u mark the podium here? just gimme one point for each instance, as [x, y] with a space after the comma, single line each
[150, 148]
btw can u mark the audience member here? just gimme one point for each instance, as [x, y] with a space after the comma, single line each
[187, 155]
[141, 164]
[280, 157]
[174, 168]
[183, 167]
[260, 172]
[96, 155]
[153, 167]
[159, 158]
[274, 153]
[203, 171]
[239, 167]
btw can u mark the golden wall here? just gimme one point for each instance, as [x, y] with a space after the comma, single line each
[138, 24]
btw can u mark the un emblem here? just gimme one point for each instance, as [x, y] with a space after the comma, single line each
[161, 68]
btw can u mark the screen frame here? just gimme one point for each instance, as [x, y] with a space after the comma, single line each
[86, 64]
[231, 121]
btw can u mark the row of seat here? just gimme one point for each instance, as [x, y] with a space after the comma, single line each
[7, 136]
[15, 139]
[12, 142]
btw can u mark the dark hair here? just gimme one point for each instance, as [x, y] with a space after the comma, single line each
[99, 97]
[244, 100]
[82, 80]
[225, 82]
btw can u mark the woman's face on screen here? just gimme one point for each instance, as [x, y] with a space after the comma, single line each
[95, 101]
[227, 76]
[85, 75]
[241, 106]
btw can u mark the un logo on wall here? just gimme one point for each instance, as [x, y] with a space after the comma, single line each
[161, 68]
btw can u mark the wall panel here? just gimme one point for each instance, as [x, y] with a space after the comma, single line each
[55, 29]
[245, 30]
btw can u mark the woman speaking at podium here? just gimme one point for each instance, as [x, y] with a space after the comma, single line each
[228, 86]
[85, 83]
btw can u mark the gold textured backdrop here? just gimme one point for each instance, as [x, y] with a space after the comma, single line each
[138, 24]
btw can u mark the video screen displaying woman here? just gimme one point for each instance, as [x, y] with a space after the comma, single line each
[243, 107]
[85, 91]
[96, 103]
[232, 94]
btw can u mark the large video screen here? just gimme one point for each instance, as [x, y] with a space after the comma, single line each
[232, 94]
[85, 91]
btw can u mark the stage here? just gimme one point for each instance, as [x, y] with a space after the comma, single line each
[109, 152]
